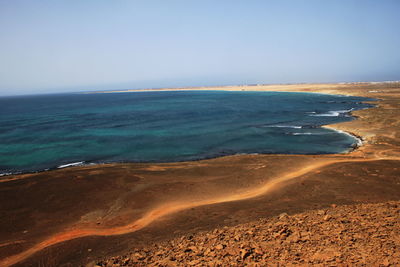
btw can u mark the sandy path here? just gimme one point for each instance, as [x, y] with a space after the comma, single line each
[174, 207]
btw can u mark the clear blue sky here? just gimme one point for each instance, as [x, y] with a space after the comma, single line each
[72, 45]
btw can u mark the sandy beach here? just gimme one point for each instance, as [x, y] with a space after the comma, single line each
[79, 215]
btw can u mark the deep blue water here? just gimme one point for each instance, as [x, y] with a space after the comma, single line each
[47, 131]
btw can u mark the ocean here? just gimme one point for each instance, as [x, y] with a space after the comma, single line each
[44, 132]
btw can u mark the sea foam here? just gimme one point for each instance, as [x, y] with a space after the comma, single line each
[79, 163]
[283, 126]
[333, 113]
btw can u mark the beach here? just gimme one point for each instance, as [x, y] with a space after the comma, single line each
[82, 214]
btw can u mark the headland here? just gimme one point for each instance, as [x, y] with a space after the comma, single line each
[80, 215]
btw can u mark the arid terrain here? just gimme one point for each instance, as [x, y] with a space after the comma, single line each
[84, 215]
[363, 234]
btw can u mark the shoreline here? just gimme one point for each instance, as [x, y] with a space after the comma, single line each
[191, 196]
[359, 140]
[83, 164]
[251, 87]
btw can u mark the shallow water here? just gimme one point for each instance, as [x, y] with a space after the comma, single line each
[49, 131]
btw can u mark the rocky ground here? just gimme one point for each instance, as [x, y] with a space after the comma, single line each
[75, 216]
[353, 235]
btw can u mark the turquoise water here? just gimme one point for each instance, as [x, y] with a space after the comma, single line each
[51, 131]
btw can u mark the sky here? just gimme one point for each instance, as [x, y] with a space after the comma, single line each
[51, 46]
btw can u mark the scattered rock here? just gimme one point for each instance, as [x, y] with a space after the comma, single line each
[283, 215]
[237, 237]
[219, 247]
[355, 235]
[244, 254]
[321, 212]
[385, 262]
[327, 218]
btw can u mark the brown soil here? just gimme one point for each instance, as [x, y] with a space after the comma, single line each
[76, 215]
[365, 234]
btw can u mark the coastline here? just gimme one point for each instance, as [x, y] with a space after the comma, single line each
[359, 139]
[4, 176]
[296, 87]
[220, 191]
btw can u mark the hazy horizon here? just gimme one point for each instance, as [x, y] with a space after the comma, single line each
[70, 46]
[89, 89]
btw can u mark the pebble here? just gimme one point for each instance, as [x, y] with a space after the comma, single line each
[364, 234]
